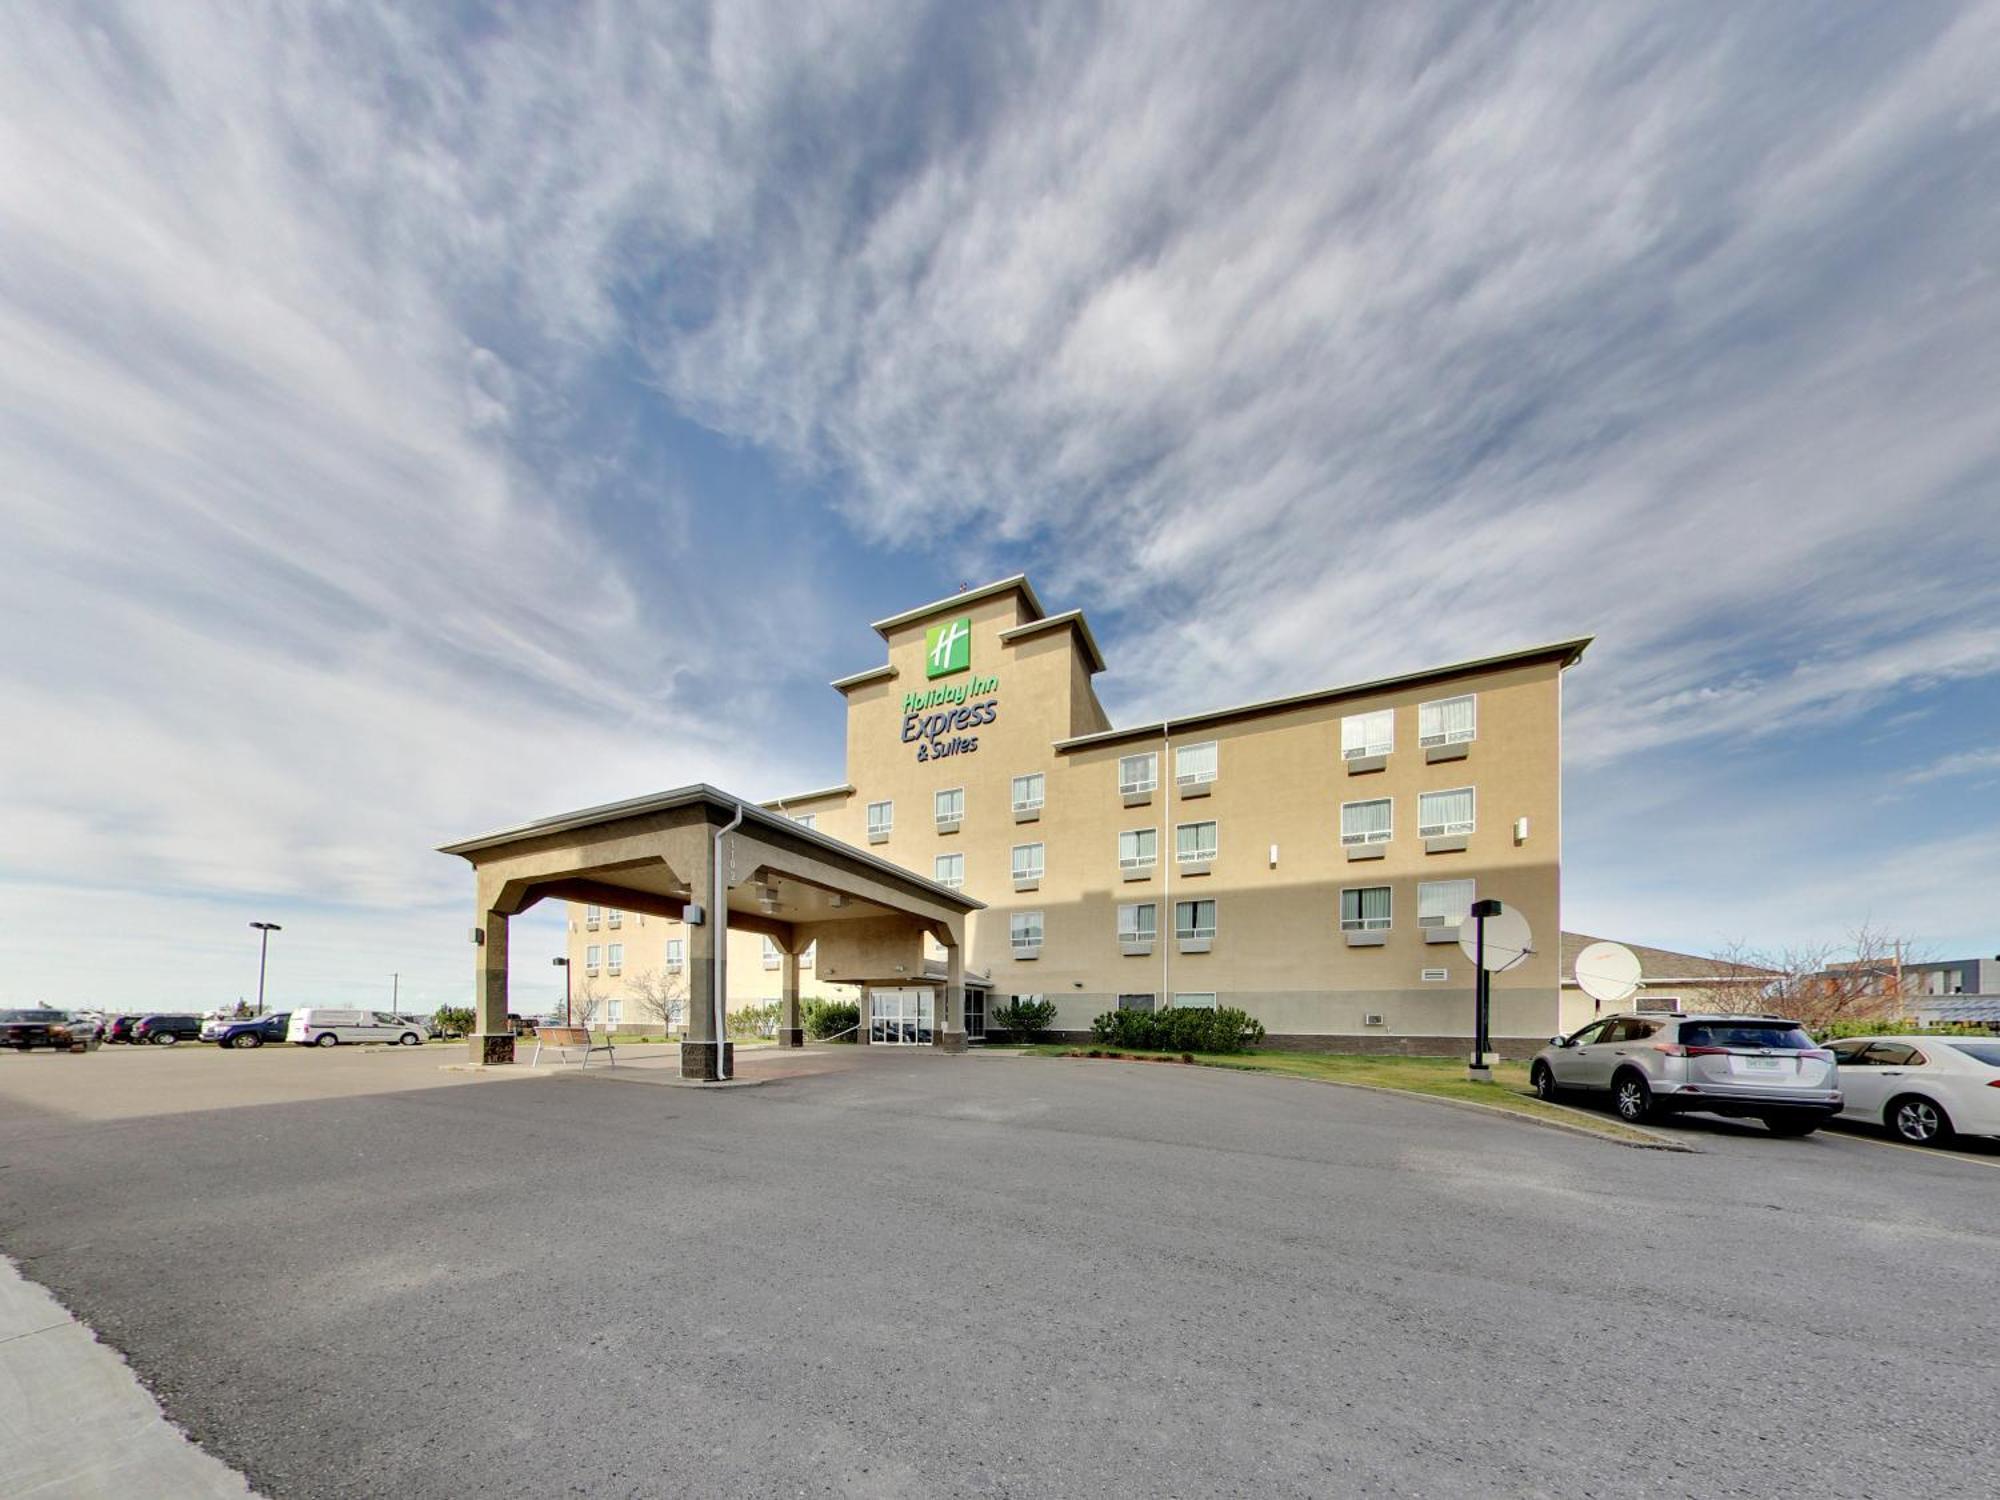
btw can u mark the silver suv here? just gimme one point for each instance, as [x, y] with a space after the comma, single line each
[1764, 1066]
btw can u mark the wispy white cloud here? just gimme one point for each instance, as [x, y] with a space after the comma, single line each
[1960, 763]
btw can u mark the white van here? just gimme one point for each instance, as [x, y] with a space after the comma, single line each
[317, 1026]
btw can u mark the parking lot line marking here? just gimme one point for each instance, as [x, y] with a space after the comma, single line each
[1930, 1151]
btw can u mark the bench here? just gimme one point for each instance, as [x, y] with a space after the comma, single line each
[561, 1039]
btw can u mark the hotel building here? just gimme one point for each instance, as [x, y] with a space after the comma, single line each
[1308, 858]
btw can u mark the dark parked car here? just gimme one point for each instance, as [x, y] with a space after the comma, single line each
[119, 1028]
[27, 1029]
[251, 1033]
[166, 1030]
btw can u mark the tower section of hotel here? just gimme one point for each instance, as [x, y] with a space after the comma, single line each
[1306, 858]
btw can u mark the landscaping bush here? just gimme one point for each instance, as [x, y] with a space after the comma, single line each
[453, 1020]
[1024, 1020]
[754, 1020]
[1177, 1030]
[828, 1018]
[1893, 1026]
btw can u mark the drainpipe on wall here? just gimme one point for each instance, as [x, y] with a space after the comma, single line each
[718, 956]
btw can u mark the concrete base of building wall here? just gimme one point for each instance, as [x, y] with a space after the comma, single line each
[791, 1036]
[1518, 1048]
[699, 1060]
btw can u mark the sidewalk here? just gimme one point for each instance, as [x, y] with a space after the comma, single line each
[79, 1425]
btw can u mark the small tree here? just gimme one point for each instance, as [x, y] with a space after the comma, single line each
[661, 997]
[584, 1003]
[1817, 984]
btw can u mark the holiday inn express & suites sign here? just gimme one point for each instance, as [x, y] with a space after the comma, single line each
[933, 720]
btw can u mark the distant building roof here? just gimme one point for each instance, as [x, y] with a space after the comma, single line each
[1664, 966]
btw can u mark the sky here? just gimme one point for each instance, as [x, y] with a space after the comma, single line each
[418, 418]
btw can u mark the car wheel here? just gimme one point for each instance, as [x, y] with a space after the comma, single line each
[1791, 1125]
[164, 1039]
[1543, 1081]
[249, 1039]
[1920, 1121]
[410, 1039]
[326, 1039]
[1631, 1097]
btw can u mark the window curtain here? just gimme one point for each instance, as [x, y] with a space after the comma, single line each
[1369, 904]
[1359, 819]
[1446, 810]
[1443, 903]
[1195, 841]
[1195, 760]
[1450, 719]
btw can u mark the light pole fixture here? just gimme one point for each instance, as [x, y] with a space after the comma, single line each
[563, 964]
[264, 931]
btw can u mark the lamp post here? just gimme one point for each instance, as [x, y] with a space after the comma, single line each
[563, 964]
[396, 995]
[264, 930]
[1482, 992]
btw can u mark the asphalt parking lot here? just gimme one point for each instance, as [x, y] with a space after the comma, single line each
[1000, 1276]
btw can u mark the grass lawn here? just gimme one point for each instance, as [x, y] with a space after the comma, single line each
[1441, 1077]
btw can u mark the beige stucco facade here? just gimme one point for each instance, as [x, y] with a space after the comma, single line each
[1279, 866]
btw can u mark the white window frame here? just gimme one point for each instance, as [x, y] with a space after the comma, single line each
[945, 819]
[1133, 934]
[1378, 836]
[1447, 830]
[1198, 778]
[1370, 737]
[806, 958]
[938, 877]
[1041, 791]
[676, 959]
[590, 959]
[591, 917]
[614, 958]
[1438, 919]
[888, 810]
[1023, 936]
[614, 919]
[1194, 1000]
[1367, 924]
[1138, 861]
[1041, 858]
[1198, 857]
[1198, 932]
[772, 957]
[1441, 736]
[1126, 785]
[806, 820]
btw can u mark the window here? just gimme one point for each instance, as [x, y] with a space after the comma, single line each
[1194, 764]
[1372, 733]
[614, 920]
[590, 959]
[1443, 903]
[1138, 922]
[1447, 721]
[806, 958]
[1024, 928]
[1443, 813]
[1368, 822]
[614, 1010]
[881, 818]
[615, 957]
[1135, 1002]
[676, 955]
[950, 807]
[1203, 1001]
[1779, 1036]
[949, 869]
[1139, 773]
[1194, 843]
[1028, 791]
[1365, 909]
[1194, 919]
[806, 820]
[591, 914]
[975, 1015]
[1138, 848]
[1027, 861]
[772, 958]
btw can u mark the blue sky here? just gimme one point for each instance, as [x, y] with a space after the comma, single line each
[412, 420]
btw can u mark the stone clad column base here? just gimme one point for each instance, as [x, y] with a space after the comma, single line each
[698, 1060]
[491, 1049]
[951, 1041]
[791, 1036]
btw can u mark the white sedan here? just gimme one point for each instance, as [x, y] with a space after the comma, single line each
[1926, 1089]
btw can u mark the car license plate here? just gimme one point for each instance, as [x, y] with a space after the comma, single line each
[1761, 1064]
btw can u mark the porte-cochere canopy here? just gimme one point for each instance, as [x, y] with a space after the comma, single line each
[698, 847]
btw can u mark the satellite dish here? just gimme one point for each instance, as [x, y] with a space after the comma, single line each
[1507, 940]
[1608, 973]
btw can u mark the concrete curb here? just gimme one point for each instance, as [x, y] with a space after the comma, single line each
[633, 1075]
[1653, 1142]
[80, 1424]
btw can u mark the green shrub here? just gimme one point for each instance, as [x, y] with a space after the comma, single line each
[1225, 1030]
[1024, 1020]
[453, 1020]
[829, 1018]
[754, 1020]
[1898, 1026]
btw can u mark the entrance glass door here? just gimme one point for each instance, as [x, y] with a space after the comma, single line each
[901, 1018]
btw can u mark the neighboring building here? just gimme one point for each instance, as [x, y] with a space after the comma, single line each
[1307, 858]
[1669, 981]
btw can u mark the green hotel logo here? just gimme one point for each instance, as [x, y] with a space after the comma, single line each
[948, 648]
